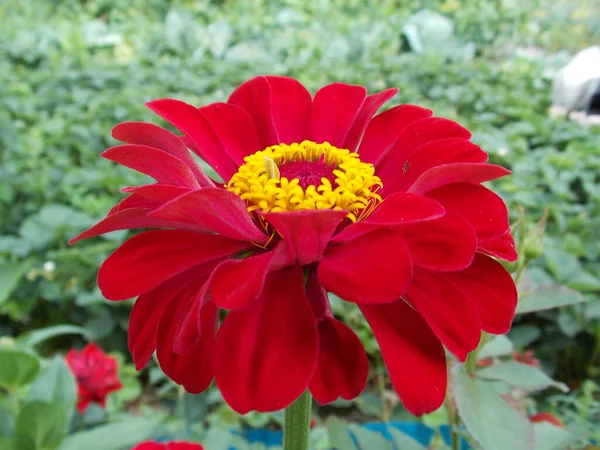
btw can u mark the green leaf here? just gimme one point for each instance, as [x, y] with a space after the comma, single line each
[584, 281]
[10, 274]
[113, 436]
[548, 297]
[55, 385]
[217, 439]
[550, 437]
[7, 443]
[487, 416]
[6, 423]
[497, 346]
[35, 337]
[522, 376]
[368, 440]
[563, 265]
[17, 368]
[403, 441]
[339, 438]
[195, 407]
[40, 426]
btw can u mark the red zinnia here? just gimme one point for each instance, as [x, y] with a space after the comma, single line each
[96, 374]
[319, 195]
[151, 445]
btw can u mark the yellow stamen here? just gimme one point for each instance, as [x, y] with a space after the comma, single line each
[258, 181]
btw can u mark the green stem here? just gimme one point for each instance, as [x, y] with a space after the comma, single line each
[296, 424]
[455, 430]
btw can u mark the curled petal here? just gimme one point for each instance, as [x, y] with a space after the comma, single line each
[342, 367]
[374, 268]
[160, 193]
[503, 247]
[265, 354]
[413, 355]
[457, 173]
[449, 313]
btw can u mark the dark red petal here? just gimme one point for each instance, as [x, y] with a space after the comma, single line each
[342, 367]
[414, 357]
[503, 247]
[238, 282]
[484, 210]
[448, 243]
[148, 445]
[450, 315]
[234, 128]
[160, 193]
[317, 295]
[491, 289]
[265, 354]
[433, 154]
[150, 258]
[122, 220]
[383, 131]
[410, 138]
[134, 201]
[196, 127]
[154, 136]
[335, 109]
[365, 114]
[192, 370]
[215, 210]
[306, 233]
[160, 165]
[395, 211]
[457, 173]
[374, 268]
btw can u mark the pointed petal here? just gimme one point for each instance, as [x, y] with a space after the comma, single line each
[484, 210]
[395, 211]
[215, 210]
[151, 135]
[448, 243]
[160, 165]
[503, 247]
[383, 131]
[306, 232]
[196, 127]
[414, 357]
[335, 109]
[457, 173]
[362, 271]
[491, 289]
[433, 154]
[160, 193]
[365, 114]
[342, 367]
[150, 258]
[450, 315]
[265, 354]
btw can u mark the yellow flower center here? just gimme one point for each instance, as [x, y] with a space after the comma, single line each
[307, 176]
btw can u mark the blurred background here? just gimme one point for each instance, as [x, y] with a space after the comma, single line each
[72, 69]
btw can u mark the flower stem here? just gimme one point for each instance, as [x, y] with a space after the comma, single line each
[296, 423]
[455, 431]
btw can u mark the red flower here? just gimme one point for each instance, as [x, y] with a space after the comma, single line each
[150, 445]
[319, 195]
[546, 417]
[526, 357]
[96, 374]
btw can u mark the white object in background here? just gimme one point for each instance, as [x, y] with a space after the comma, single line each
[575, 84]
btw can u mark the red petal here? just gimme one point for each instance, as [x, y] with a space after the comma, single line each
[317, 295]
[383, 131]
[411, 137]
[122, 220]
[238, 282]
[265, 354]
[160, 193]
[395, 211]
[160, 165]
[148, 445]
[150, 258]
[196, 127]
[503, 247]
[215, 210]
[335, 109]
[154, 136]
[484, 210]
[448, 243]
[192, 370]
[375, 268]
[365, 114]
[457, 173]
[450, 315]
[342, 367]
[491, 289]
[306, 233]
[234, 128]
[433, 154]
[414, 357]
